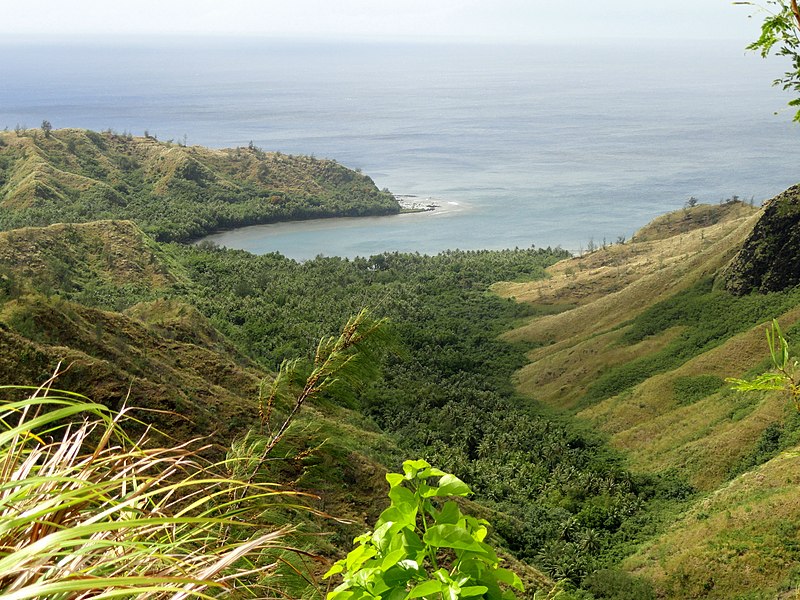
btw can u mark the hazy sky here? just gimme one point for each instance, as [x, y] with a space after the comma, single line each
[511, 20]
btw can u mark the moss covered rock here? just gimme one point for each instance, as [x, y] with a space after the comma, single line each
[769, 261]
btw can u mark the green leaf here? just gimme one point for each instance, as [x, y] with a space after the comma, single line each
[402, 496]
[382, 537]
[480, 533]
[367, 577]
[432, 472]
[450, 485]
[473, 567]
[358, 556]
[399, 575]
[452, 536]
[509, 577]
[450, 514]
[474, 590]
[473, 523]
[426, 589]
[392, 559]
[394, 479]
[402, 514]
[426, 491]
[398, 593]
[337, 567]
[412, 467]
[412, 542]
[443, 575]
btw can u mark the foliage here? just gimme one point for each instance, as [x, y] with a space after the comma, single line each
[690, 389]
[423, 550]
[88, 512]
[342, 362]
[618, 585]
[780, 28]
[556, 493]
[784, 376]
[560, 497]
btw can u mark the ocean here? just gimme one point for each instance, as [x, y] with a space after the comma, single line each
[546, 145]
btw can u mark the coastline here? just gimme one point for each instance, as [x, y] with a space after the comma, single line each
[409, 203]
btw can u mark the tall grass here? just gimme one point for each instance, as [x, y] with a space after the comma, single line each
[88, 512]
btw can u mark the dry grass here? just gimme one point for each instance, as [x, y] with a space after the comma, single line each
[703, 439]
[742, 537]
[204, 389]
[612, 286]
[740, 542]
[87, 512]
[560, 374]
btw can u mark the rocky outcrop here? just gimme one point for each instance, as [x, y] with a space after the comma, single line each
[769, 261]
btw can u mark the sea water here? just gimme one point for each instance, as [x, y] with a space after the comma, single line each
[521, 145]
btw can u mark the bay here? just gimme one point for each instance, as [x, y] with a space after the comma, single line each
[524, 144]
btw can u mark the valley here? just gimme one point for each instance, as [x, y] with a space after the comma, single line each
[582, 398]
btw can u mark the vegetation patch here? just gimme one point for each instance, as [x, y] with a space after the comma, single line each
[690, 389]
[709, 317]
[172, 191]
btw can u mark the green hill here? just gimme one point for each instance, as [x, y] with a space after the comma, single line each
[173, 192]
[646, 335]
[585, 404]
[189, 334]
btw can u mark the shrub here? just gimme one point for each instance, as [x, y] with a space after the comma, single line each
[618, 585]
[419, 550]
[691, 389]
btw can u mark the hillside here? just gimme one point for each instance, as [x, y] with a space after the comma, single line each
[172, 191]
[621, 459]
[769, 260]
[104, 301]
[643, 338]
[134, 321]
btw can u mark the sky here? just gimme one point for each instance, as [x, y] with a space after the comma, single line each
[462, 20]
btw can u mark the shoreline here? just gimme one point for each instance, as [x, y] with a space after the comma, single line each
[324, 234]
[409, 203]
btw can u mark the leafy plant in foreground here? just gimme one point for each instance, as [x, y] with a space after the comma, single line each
[420, 551]
[780, 28]
[784, 375]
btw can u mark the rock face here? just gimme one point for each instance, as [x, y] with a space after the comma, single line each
[769, 261]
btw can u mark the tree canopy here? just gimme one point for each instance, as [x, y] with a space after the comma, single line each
[779, 36]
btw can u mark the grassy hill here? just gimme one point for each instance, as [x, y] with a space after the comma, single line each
[622, 447]
[173, 192]
[643, 336]
[103, 301]
[134, 321]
